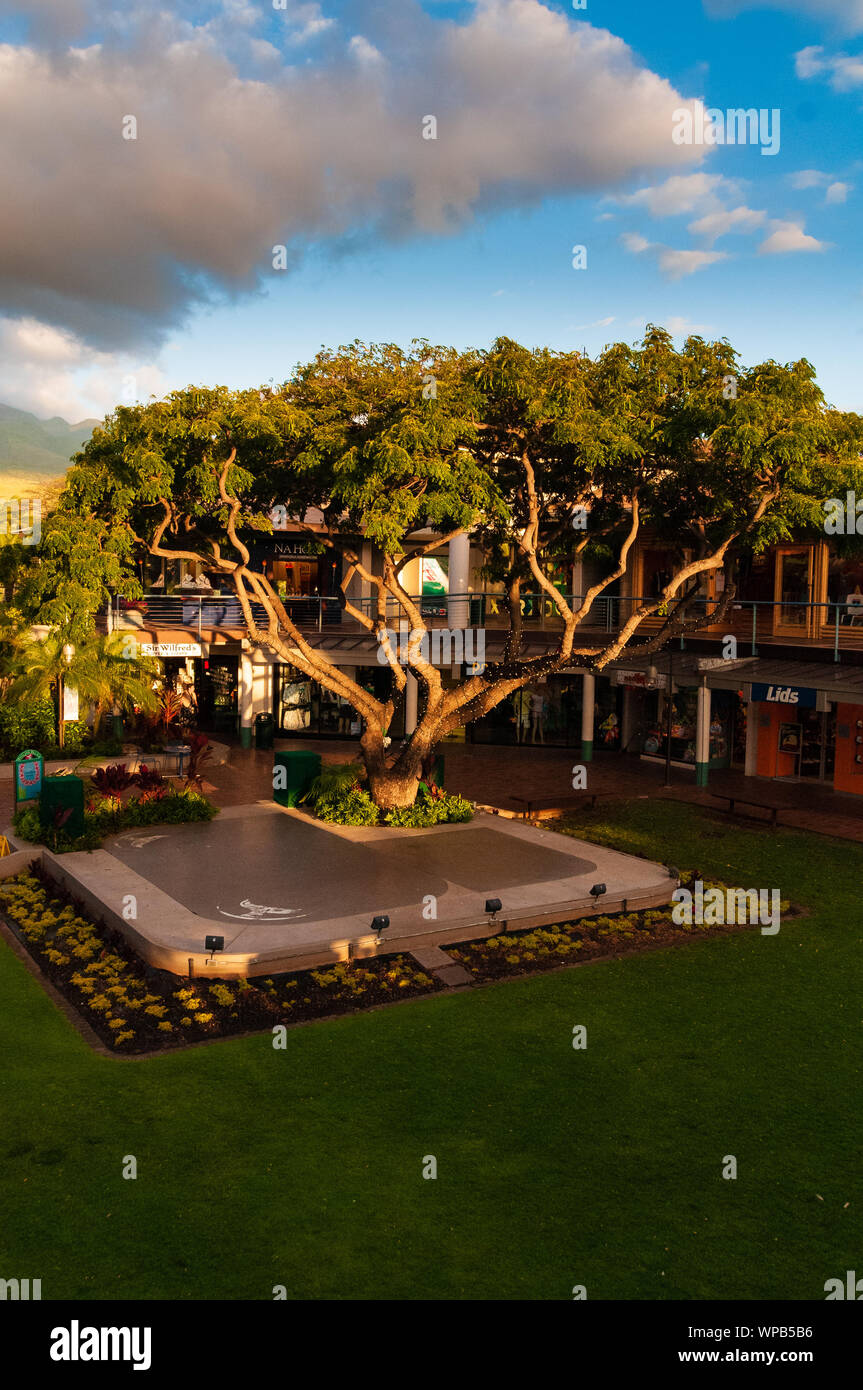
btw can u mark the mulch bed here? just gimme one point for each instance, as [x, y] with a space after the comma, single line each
[527, 952]
[133, 1007]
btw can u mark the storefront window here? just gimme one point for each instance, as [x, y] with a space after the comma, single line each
[845, 587]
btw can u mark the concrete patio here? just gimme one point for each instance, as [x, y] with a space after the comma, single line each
[287, 892]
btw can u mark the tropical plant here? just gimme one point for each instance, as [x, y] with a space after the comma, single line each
[334, 780]
[201, 753]
[112, 780]
[103, 669]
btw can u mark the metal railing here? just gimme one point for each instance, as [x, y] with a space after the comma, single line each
[834, 622]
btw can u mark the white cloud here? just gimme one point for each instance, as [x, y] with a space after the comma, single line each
[674, 264]
[51, 372]
[843, 71]
[845, 15]
[808, 178]
[716, 224]
[117, 240]
[680, 327]
[837, 192]
[635, 242]
[678, 194]
[789, 236]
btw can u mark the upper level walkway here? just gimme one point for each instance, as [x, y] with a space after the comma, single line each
[835, 627]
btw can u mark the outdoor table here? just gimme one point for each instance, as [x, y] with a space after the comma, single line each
[180, 751]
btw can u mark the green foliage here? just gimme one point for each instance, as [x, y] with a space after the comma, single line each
[27, 724]
[350, 806]
[443, 809]
[334, 779]
[175, 808]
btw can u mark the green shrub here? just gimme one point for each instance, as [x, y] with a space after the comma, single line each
[352, 806]
[177, 808]
[334, 780]
[29, 725]
[440, 810]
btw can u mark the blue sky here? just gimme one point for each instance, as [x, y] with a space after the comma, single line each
[157, 271]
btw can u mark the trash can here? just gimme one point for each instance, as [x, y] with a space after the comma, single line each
[293, 774]
[59, 795]
[265, 727]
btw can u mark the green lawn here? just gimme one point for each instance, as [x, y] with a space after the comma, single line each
[303, 1167]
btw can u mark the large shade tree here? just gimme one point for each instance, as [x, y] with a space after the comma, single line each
[538, 454]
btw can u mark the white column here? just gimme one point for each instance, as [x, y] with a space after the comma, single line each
[246, 699]
[627, 722]
[411, 693]
[750, 765]
[702, 735]
[365, 587]
[588, 700]
[458, 607]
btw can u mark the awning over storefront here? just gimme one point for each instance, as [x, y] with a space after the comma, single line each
[835, 682]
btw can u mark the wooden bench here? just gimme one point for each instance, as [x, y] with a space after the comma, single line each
[735, 798]
[556, 803]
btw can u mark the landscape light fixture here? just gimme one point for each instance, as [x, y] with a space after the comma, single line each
[597, 891]
[673, 871]
[214, 944]
[493, 907]
[380, 924]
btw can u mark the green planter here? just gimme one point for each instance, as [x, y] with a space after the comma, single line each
[61, 794]
[293, 774]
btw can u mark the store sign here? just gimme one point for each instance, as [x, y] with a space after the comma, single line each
[29, 771]
[799, 695]
[169, 648]
[283, 551]
[639, 680]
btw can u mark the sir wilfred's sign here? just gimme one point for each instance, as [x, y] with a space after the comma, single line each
[29, 772]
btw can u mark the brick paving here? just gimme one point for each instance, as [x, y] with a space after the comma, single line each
[496, 776]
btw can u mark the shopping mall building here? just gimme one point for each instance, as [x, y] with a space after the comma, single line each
[775, 690]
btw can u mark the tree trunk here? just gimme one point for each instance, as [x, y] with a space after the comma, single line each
[396, 786]
[391, 788]
[61, 729]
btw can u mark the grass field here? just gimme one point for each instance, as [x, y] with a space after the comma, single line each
[556, 1167]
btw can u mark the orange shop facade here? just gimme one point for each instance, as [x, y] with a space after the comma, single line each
[804, 723]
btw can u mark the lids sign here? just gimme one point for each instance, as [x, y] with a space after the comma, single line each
[800, 695]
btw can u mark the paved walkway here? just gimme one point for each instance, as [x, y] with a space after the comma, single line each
[495, 776]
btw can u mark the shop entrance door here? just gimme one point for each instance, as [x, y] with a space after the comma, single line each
[817, 745]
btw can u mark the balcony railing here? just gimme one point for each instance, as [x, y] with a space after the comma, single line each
[837, 624]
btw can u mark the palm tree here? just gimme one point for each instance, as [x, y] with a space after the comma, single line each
[102, 670]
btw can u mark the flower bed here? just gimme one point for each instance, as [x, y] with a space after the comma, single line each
[108, 814]
[590, 938]
[135, 1008]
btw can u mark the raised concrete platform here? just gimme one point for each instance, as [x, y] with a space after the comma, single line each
[288, 892]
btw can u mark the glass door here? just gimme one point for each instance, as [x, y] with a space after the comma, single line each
[792, 613]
